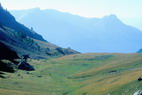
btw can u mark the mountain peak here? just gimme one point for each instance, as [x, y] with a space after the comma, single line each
[112, 19]
[111, 16]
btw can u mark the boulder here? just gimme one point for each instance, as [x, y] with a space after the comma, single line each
[138, 93]
[139, 79]
[7, 66]
[25, 66]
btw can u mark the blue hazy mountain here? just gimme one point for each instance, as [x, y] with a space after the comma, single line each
[107, 34]
[139, 51]
[135, 21]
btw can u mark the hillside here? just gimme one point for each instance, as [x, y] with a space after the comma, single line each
[9, 21]
[106, 34]
[23, 45]
[25, 41]
[80, 74]
[16, 41]
[135, 21]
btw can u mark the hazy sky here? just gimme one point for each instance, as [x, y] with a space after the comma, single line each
[87, 8]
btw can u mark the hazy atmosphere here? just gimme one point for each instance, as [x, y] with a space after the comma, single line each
[129, 11]
[70, 47]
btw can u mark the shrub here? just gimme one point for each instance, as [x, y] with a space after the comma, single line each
[7, 66]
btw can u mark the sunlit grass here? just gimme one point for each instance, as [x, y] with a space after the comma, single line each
[80, 74]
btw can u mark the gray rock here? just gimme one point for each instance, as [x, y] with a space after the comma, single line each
[139, 92]
[25, 66]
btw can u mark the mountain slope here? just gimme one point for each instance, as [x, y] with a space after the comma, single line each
[139, 51]
[23, 44]
[17, 40]
[107, 34]
[9, 21]
[23, 41]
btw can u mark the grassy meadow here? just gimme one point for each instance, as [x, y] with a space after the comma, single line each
[79, 74]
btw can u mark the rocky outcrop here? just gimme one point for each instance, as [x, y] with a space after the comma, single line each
[7, 53]
[138, 93]
[25, 66]
[139, 79]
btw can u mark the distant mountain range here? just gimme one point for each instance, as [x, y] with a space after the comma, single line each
[139, 51]
[135, 21]
[17, 40]
[107, 34]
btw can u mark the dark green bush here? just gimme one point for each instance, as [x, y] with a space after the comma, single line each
[7, 66]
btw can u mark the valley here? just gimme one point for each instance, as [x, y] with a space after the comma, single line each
[59, 53]
[78, 74]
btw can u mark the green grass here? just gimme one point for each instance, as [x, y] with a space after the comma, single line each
[80, 74]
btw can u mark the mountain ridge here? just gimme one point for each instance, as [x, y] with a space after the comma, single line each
[107, 34]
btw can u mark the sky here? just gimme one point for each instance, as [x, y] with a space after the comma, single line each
[127, 10]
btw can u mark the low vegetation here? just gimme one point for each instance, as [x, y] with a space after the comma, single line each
[79, 74]
[7, 66]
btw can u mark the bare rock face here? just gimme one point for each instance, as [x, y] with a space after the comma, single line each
[139, 92]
